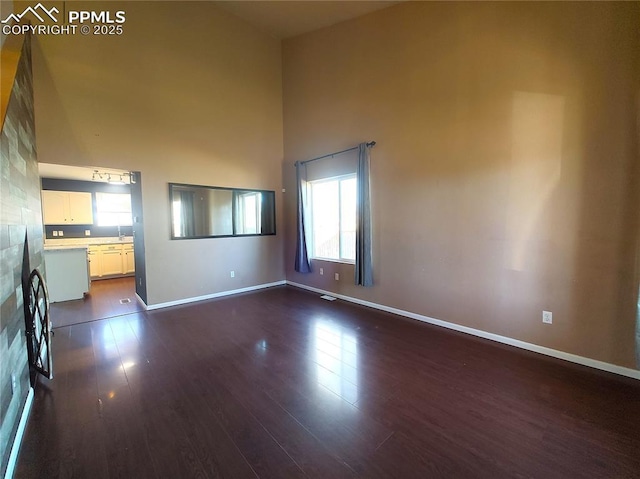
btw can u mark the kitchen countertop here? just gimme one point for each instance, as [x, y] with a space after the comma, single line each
[65, 247]
[87, 241]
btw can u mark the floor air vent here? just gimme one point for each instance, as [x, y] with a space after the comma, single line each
[125, 301]
[327, 297]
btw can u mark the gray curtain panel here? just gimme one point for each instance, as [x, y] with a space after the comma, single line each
[364, 267]
[302, 264]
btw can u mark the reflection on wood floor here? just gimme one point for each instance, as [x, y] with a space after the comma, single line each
[281, 383]
[103, 301]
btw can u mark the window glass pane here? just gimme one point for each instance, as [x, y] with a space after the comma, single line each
[326, 219]
[333, 218]
[177, 218]
[348, 217]
[113, 209]
[250, 213]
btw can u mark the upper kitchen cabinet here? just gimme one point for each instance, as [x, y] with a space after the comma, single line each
[67, 208]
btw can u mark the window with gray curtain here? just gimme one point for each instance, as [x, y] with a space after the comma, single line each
[334, 213]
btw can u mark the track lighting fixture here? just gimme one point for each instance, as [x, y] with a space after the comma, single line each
[112, 177]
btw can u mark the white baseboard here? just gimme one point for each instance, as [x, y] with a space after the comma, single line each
[142, 303]
[178, 302]
[574, 358]
[17, 441]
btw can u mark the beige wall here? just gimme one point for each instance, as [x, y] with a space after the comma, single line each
[189, 94]
[505, 179]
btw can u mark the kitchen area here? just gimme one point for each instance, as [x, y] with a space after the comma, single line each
[73, 263]
[88, 230]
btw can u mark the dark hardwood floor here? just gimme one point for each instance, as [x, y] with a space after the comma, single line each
[103, 301]
[280, 383]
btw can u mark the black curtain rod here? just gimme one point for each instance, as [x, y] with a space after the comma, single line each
[371, 143]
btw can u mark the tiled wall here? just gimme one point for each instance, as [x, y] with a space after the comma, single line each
[20, 215]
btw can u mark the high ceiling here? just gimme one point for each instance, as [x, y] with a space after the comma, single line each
[281, 19]
[284, 19]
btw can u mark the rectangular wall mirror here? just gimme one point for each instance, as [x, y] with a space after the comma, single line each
[212, 211]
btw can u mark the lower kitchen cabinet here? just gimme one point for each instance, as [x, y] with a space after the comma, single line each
[109, 260]
[94, 261]
[128, 259]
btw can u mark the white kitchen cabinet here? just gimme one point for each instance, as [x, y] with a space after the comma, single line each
[95, 266]
[80, 208]
[54, 211]
[128, 259]
[67, 208]
[111, 260]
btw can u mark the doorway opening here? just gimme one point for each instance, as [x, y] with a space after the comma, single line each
[92, 216]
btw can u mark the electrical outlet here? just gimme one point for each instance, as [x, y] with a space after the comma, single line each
[233, 274]
[87, 232]
[55, 233]
[321, 271]
[337, 276]
[547, 317]
[60, 233]
[14, 383]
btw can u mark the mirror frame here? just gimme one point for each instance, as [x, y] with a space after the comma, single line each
[223, 188]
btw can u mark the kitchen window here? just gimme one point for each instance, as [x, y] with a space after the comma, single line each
[113, 209]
